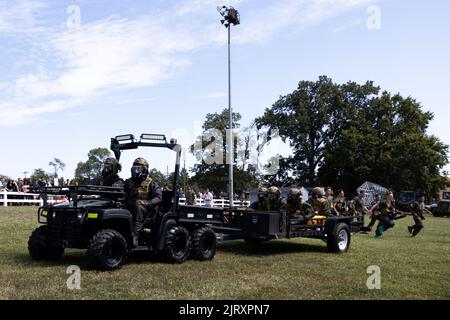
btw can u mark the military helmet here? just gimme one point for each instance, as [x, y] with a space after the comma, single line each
[263, 190]
[318, 192]
[274, 190]
[113, 163]
[141, 162]
[294, 195]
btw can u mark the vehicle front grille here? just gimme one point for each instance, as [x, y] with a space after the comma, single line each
[64, 217]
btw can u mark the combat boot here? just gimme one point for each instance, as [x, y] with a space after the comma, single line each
[379, 232]
[417, 229]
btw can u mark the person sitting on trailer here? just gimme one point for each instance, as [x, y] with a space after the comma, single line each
[340, 205]
[320, 205]
[296, 207]
[263, 200]
[276, 201]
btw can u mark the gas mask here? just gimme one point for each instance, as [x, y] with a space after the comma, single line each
[262, 197]
[107, 170]
[292, 199]
[139, 172]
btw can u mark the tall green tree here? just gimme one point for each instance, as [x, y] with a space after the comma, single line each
[308, 119]
[387, 143]
[39, 174]
[159, 177]
[343, 135]
[90, 170]
[212, 172]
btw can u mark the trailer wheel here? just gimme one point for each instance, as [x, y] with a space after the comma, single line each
[38, 248]
[204, 244]
[339, 242]
[177, 246]
[107, 250]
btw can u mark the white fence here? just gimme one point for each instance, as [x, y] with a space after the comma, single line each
[219, 203]
[30, 199]
[21, 198]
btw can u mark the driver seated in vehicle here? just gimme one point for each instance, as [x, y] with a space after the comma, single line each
[144, 195]
[110, 173]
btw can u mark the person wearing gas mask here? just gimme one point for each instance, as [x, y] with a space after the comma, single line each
[262, 204]
[296, 207]
[276, 201]
[110, 173]
[320, 205]
[144, 195]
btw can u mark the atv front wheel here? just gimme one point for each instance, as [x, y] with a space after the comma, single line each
[107, 250]
[204, 244]
[38, 247]
[177, 246]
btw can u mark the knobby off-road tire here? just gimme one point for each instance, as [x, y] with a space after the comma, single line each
[107, 250]
[38, 248]
[204, 244]
[339, 242]
[178, 244]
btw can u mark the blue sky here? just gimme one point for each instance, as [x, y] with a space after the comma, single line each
[160, 66]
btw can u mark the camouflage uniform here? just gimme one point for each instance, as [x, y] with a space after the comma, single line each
[110, 176]
[320, 205]
[359, 208]
[375, 215]
[386, 216]
[340, 206]
[276, 201]
[144, 195]
[330, 200]
[417, 211]
[263, 202]
[296, 207]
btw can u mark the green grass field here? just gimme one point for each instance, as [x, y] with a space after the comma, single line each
[411, 268]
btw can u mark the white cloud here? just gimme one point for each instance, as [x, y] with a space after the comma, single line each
[18, 16]
[203, 6]
[119, 53]
[290, 15]
[116, 53]
[349, 26]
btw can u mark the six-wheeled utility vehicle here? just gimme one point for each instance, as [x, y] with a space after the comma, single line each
[96, 218]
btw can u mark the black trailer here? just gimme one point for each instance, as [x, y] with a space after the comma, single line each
[256, 227]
